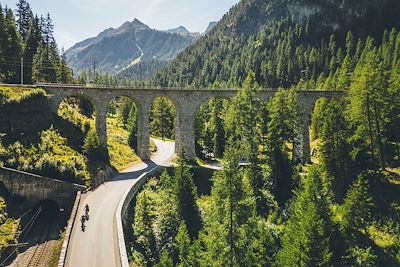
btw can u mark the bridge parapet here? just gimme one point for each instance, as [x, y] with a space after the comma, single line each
[35, 188]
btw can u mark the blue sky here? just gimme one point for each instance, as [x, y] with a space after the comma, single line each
[76, 20]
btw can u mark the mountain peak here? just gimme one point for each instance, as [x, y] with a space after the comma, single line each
[137, 22]
[135, 25]
[180, 30]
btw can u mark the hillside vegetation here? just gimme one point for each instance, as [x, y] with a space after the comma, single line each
[65, 146]
[282, 42]
[40, 150]
[341, 210]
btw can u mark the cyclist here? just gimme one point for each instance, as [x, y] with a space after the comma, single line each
[83, 219]
[87, 211]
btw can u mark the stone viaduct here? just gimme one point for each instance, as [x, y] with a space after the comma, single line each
[187, 102]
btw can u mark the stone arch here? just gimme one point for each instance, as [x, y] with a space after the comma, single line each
[205, 146]
[57, 96]
[116, 132]
[85, 97]
[176, 107]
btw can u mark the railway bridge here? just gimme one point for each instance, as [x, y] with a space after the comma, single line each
[187, 102]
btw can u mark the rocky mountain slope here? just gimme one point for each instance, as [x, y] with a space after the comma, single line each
[115, 50]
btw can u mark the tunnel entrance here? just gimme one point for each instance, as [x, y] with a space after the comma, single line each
[45, 222]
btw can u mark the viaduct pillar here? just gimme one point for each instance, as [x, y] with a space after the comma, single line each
[143, 131]
[101, 127]
[185, 134]
[302, 150]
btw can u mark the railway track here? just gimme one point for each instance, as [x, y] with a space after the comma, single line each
[43, 244]
[38, 255]
[38, 235]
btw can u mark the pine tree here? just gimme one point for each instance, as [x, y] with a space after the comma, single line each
[224, 232]
[65, 74]
[33, 39]
[124, 111]
[162, 118]
[3, 44]
[165, 261]
[132, 127]
[183, 244]
[307, 237]
[246, 118]
[282, 126]
[217, 130]
[358, 205]
[48, 31]
[91, 145]
[335, 150]
[166, 222]
[11, 49]
[44, 65]
[344, 74]
[350, 47]
[143, 231]
[185, 193]
[24, 18]
[393, 111]
[368, 100]
[317, 118]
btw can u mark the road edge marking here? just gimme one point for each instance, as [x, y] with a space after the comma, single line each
[121, 210]
[64, 249]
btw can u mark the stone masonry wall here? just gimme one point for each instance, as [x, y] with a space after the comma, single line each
[36, 188]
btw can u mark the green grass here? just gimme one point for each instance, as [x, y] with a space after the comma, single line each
[50, 156]
[18, 94]
[72, 114]
[121, 154]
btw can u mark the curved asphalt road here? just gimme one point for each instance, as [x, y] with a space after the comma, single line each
[98, 245]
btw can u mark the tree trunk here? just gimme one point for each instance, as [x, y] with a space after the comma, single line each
[369, 120]
[380, 142]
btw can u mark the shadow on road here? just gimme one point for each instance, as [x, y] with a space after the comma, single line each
[129, 175]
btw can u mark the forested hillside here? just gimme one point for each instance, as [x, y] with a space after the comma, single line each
[283, 42]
